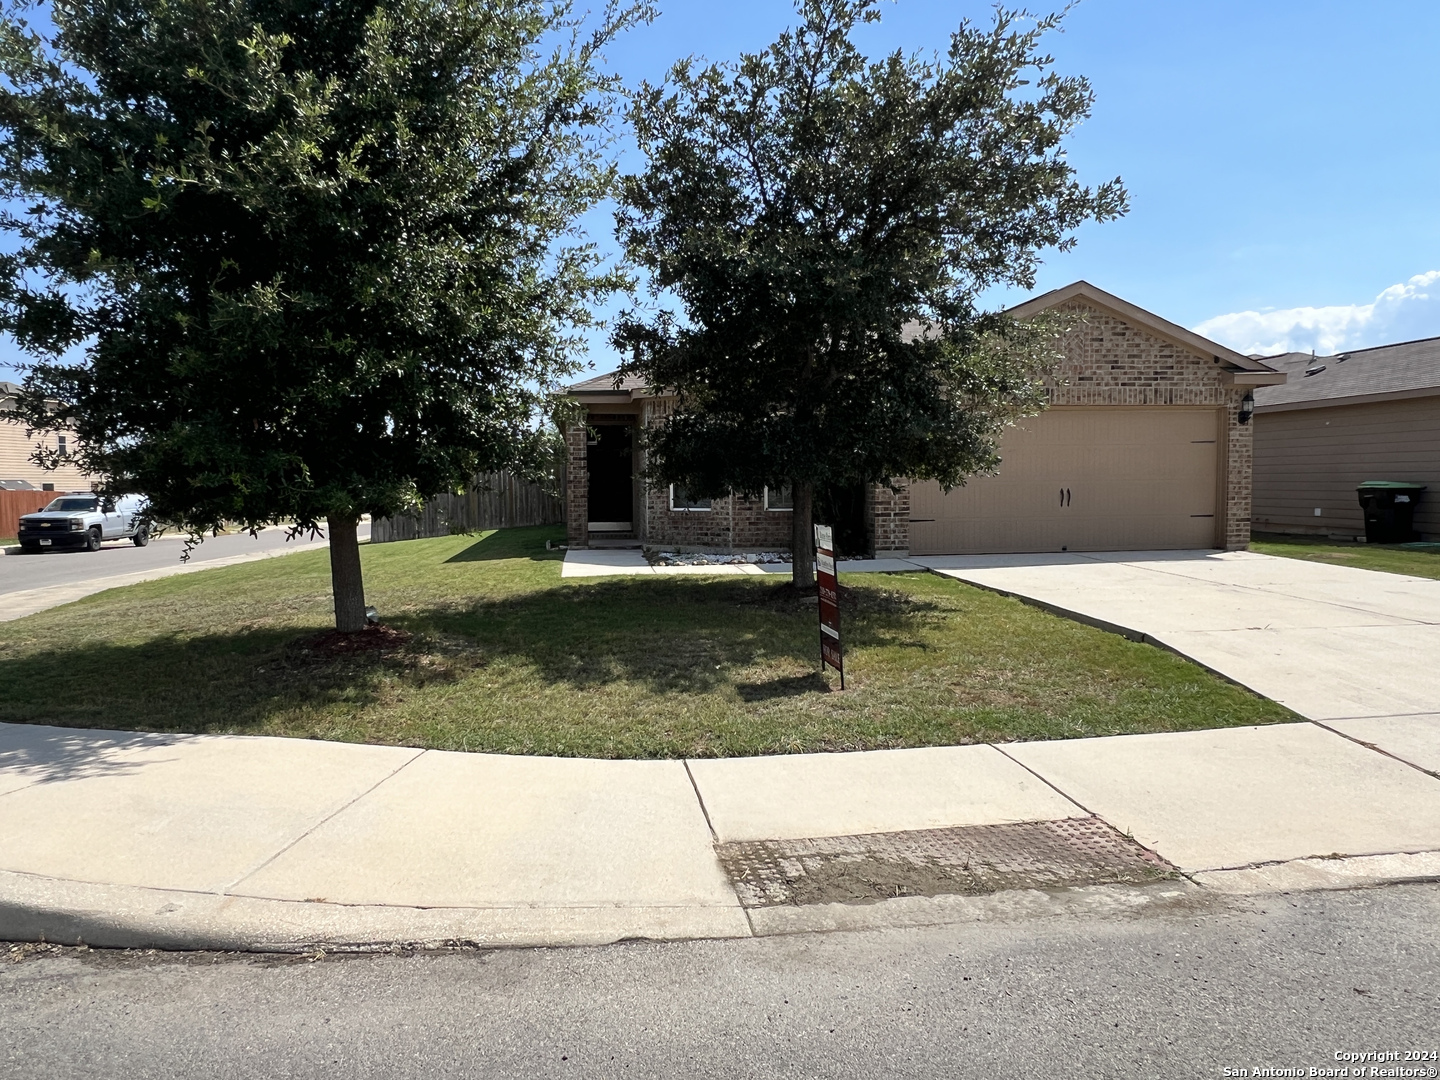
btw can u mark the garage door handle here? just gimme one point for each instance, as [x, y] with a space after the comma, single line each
[1064, 496]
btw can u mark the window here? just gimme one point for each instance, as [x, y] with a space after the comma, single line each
[779, 498]
[61, 444]
[680, 499]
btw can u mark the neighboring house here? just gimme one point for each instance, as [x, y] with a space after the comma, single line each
[1369, 414]
[16, 468]
[1143, 446]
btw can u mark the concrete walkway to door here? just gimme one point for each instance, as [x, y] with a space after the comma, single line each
[1356, 650]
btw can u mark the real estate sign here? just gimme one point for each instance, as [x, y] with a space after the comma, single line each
[829, 588]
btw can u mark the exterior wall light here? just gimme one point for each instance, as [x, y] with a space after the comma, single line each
[1247, 406]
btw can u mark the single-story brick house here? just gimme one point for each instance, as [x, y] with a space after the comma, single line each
[1369, 414]
[1144, 445]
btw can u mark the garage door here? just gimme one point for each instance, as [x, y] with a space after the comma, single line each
[1083, 479]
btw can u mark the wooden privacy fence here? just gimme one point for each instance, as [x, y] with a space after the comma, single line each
[14, 504]
[498, 500]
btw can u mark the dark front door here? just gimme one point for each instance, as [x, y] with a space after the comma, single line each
[610, 460]
[842, 507]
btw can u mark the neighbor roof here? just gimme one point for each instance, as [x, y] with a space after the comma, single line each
[1409, 369]
[1138, 316]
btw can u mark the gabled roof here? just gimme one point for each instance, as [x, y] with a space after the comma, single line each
[607, 384]
[1256, 372]
[1407, 369]
[1139, 317]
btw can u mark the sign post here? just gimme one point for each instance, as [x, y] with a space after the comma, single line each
[828, 586]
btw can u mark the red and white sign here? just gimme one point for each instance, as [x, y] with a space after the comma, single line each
[829, 588]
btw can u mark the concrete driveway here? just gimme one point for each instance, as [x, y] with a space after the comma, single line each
[1354, 649]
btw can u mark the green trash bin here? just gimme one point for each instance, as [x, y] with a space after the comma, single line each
[1389, 507]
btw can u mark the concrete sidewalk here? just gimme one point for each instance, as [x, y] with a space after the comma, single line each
[609, 562]
[234, 842]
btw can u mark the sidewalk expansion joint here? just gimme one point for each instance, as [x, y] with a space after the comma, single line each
[229, 889]
[715, 841]
[1044, 780]
[1379, 750]
[1334, 856]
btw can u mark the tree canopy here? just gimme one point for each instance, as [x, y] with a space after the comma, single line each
[320, 255]
[828, 224]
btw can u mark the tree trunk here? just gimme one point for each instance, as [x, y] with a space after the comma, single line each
[802, 536]
[345, 580]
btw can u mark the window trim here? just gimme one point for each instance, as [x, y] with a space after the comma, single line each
[689, 509]
[778, 509]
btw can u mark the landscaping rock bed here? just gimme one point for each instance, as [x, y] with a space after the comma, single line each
[677, 558]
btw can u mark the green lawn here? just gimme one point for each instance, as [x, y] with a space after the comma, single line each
[507, 657]
[1391, 558]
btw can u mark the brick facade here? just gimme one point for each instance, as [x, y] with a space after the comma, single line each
[888, 520]
[1107, 361]
[734, 523]
[577, 487]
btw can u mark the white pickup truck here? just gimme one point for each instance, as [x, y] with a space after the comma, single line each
[83, 522]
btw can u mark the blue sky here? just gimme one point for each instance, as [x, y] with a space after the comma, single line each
[1282, 156]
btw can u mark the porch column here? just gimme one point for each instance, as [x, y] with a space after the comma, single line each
[890, 521]
[577, 488]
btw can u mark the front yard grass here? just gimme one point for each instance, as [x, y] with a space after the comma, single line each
[507, 657]
[1390, 558]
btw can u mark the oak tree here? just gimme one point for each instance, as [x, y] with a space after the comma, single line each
[318, 258]
[828, 224]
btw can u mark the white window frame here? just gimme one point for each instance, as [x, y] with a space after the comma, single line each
[778, 509]
[689, 509]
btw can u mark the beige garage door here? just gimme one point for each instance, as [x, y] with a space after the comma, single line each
[1083, 479]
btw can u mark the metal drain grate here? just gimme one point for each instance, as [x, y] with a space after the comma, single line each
[931, 862]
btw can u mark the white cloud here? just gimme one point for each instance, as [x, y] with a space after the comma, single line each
[1400, 313]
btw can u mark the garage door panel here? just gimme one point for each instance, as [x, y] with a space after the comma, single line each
[1098, 479]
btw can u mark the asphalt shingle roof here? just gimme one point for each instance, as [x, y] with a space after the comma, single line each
[605, 384]
[1386, 369]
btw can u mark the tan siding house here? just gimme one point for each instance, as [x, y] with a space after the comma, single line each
[1144, 445]
[1371, 414]
[16, 448]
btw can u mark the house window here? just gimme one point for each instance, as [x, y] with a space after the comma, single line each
[779, 498]
[680, 499]
[61, 443]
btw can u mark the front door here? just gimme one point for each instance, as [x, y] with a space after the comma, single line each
[610, 460]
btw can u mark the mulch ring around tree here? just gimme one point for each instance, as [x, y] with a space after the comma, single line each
[334, 643]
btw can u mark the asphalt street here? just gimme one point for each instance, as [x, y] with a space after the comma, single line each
[19, 573]
[1281, 982]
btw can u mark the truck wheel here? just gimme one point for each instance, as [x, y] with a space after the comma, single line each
[141, 538]
[92, 540]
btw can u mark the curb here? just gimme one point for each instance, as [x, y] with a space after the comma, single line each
[35, 908]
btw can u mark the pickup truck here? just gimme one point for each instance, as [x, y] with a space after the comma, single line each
[84, 521]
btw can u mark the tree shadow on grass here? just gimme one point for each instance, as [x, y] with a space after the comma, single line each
[667, 636]
[526, 543]
[673, 635]
[785, 687]
[174, 683]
